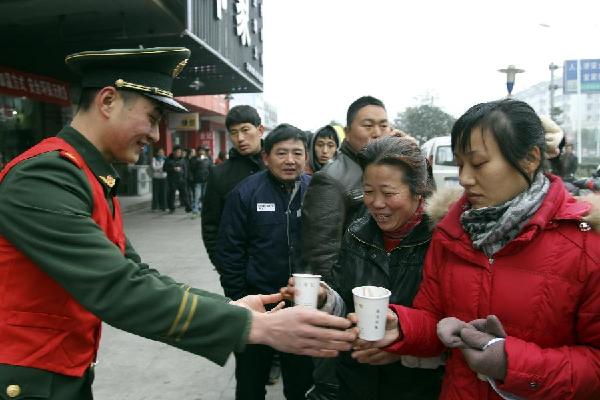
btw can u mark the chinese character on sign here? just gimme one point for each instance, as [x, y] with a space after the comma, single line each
[221, 5]
[242, 19]
[21, 83]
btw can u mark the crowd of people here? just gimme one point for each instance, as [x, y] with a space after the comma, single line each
[495, 289]
[183, 172]
[466, 269]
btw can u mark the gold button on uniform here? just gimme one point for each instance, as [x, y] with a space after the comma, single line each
[13, 390]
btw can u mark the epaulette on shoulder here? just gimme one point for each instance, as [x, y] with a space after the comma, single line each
[71, 157]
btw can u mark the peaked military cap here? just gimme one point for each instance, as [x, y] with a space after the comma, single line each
[149, 72]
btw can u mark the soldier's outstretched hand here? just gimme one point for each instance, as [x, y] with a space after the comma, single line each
[257, 302]
[301, 330]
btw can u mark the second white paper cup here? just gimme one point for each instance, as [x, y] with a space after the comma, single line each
[371, 304]
[306, 289]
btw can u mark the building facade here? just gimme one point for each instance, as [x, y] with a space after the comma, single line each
[37, 90]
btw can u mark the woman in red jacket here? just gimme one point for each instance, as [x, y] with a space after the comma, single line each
[512, 274]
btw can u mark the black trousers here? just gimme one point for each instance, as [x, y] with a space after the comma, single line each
[252, 372]
[183, 195]
[159, 194]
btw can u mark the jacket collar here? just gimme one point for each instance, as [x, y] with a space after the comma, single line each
[104, 171]
[346, 149]
[253, 158]
[286, 187]
[365, 229]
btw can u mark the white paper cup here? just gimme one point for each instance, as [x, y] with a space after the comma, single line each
[306, 289]
[371, 305]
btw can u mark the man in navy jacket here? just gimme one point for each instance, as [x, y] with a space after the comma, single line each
[258, 249]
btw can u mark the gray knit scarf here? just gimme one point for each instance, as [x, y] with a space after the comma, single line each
[491, 228]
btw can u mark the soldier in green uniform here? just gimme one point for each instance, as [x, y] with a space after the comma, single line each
[65, 264]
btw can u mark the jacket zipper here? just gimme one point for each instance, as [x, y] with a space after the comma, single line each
[288, 229]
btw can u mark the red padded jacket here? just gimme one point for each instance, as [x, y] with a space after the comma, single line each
[544, 286]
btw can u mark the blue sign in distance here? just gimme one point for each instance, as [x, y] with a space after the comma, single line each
[590, 76]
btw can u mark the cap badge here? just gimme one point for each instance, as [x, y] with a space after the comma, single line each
[177, 70]
[108, 180]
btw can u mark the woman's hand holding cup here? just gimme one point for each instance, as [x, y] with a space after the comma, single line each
[392, 334]
[291, 293]
[288, 292]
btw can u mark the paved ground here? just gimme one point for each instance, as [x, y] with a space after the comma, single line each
[133, 368]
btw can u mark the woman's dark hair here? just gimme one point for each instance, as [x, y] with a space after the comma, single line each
[282, 133]
[513, 123]
[405, 154]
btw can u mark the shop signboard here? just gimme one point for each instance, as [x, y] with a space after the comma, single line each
[184, 121]
[35, 87]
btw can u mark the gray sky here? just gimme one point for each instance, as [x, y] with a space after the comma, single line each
[319, 55]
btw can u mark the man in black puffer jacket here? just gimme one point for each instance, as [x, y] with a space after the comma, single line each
[245, 130]
[199, 169]
[176, 170]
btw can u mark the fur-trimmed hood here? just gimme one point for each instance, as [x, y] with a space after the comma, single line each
[439, 203]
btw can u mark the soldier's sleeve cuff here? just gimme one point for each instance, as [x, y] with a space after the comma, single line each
[241, 344]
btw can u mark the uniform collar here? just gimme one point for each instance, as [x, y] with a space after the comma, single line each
[105, 172]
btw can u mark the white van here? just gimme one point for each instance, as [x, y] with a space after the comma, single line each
[439, 153]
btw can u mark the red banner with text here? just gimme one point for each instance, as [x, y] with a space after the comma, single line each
[36, 87]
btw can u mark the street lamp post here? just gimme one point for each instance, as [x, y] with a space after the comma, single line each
[511, 71]
[553, 86]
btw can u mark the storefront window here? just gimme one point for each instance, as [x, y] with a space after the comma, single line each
[25, 122]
